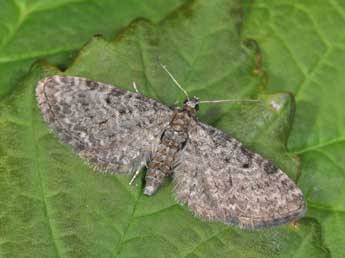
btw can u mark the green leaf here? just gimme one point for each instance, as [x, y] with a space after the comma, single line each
[56, 29]
[54, 205]
[304, 52]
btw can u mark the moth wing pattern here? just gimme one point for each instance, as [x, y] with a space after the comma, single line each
[220, 179]
[114, 129]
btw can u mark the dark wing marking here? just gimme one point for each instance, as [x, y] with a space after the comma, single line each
[219, 179]
[114, 129]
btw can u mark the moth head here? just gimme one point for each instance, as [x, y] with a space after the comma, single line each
[192, 103]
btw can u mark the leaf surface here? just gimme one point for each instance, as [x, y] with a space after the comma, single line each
[304, 51]
[56, 29]
[54, 205]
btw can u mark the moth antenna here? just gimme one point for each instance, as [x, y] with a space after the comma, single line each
[174, 80]
[229, 100]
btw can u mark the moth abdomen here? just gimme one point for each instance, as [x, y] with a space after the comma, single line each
[160, 167]
[163, 161]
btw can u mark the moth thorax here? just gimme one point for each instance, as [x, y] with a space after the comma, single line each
[191, 104]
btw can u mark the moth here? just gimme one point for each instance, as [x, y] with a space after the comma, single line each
[214, 174]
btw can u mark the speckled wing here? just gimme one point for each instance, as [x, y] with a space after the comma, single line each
[114, 129]
[219, 179]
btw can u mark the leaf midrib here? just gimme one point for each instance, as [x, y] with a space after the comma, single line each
[36, 166]
[120, 244]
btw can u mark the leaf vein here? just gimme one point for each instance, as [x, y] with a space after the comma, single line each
[282, 41]
[34, 55]
[319, 146]
[206, 240]
[338, 8]
[159, 211]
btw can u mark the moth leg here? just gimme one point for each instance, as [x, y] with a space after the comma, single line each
[135, 176]
[143, 163]
[135, 87]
